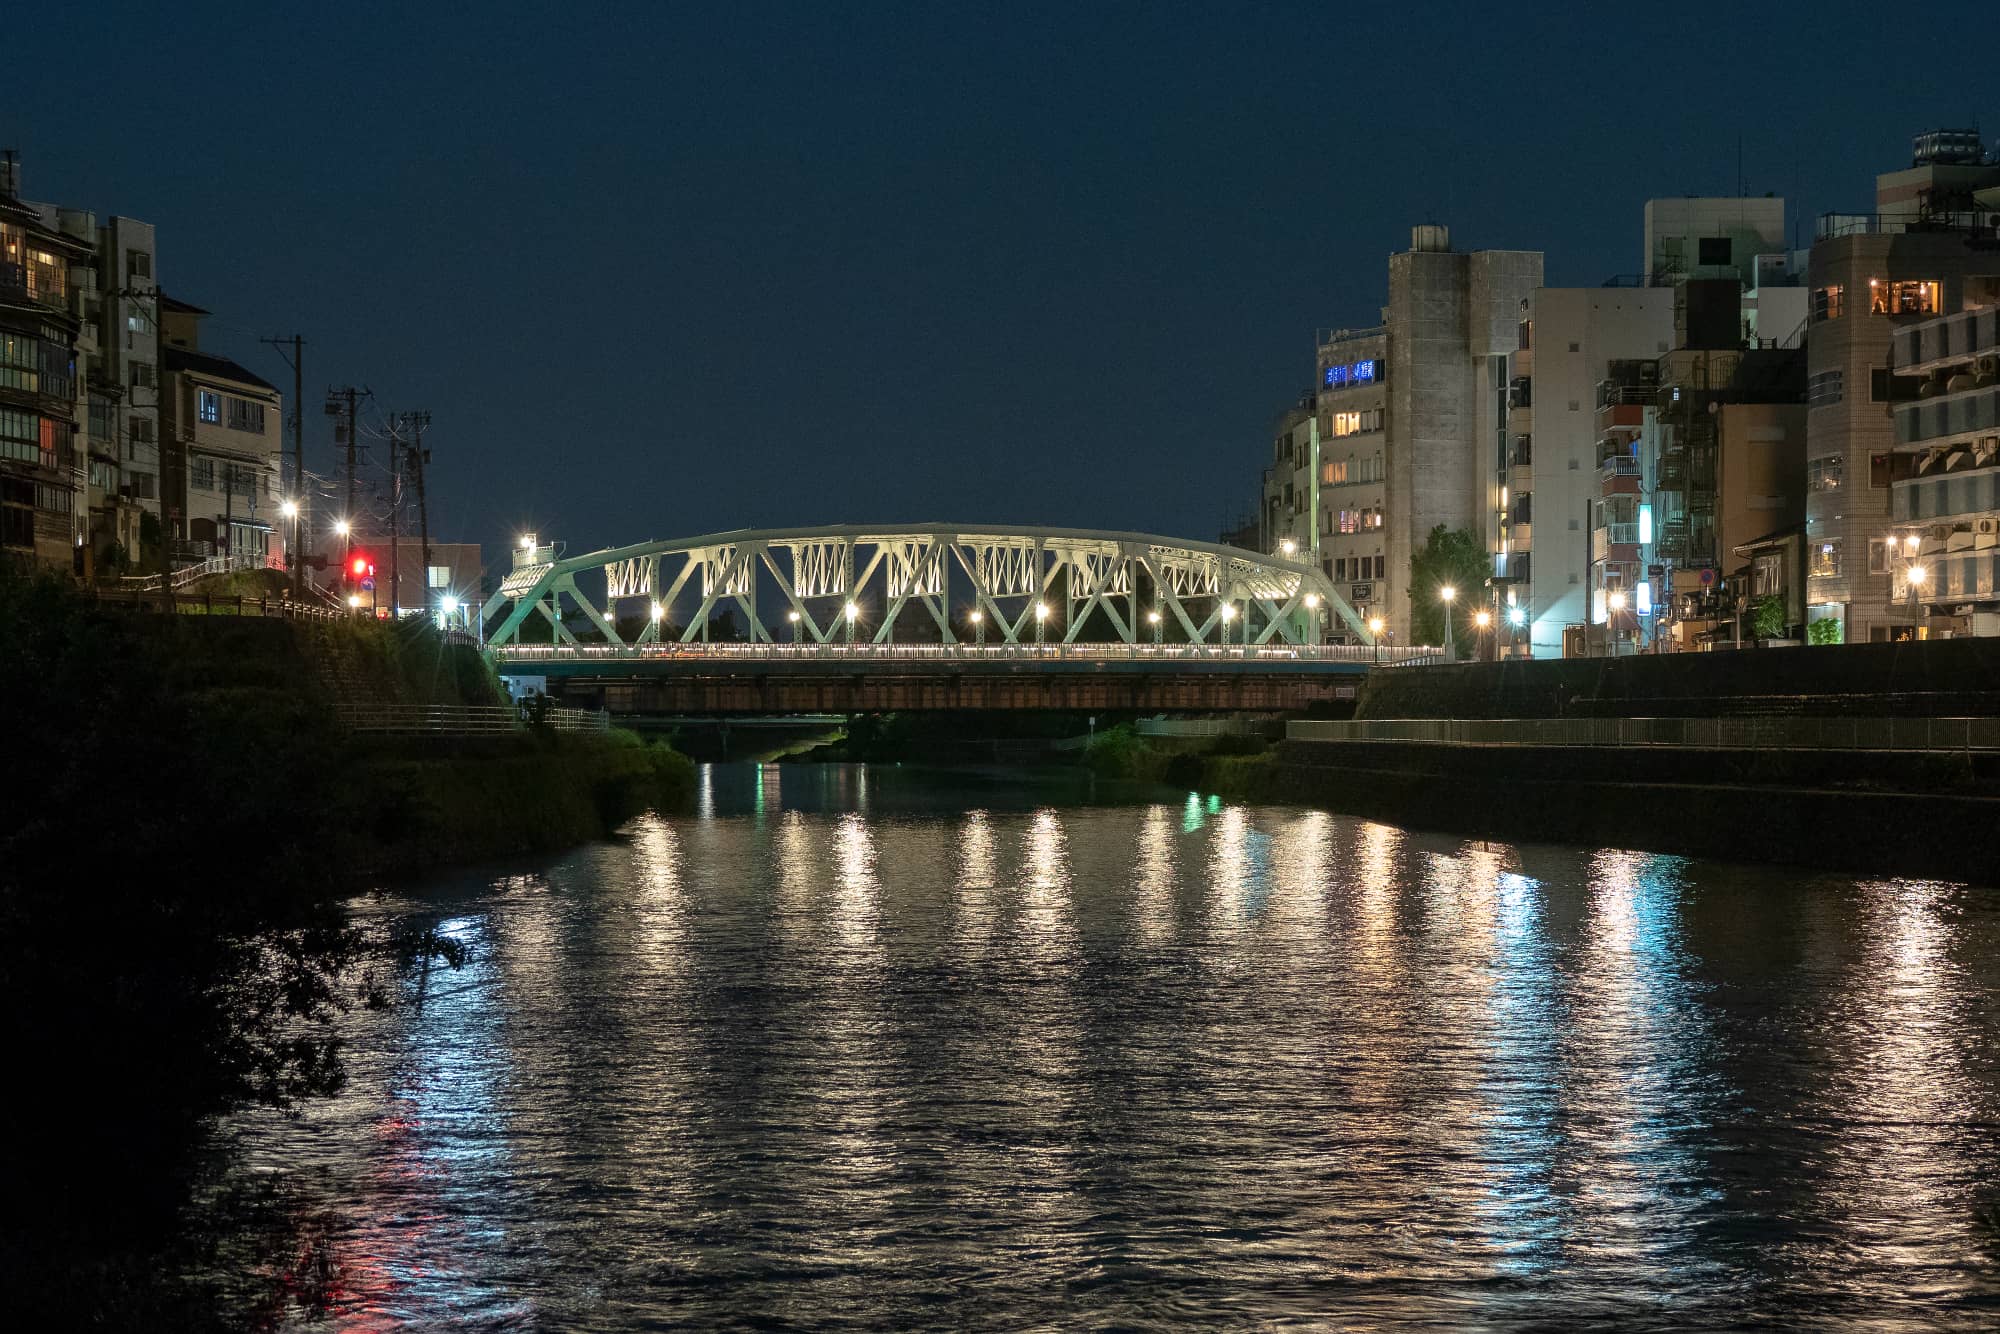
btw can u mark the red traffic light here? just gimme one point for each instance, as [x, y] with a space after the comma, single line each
[358, 566]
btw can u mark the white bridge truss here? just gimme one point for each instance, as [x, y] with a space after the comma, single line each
[967, 582]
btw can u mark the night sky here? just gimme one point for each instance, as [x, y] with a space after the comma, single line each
[664, 270]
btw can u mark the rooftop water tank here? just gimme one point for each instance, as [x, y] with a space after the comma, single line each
[1430, 236]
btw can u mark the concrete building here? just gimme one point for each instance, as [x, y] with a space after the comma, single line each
[1932, 248]
[223, 432]
[1286, 517]
[1350, 417]
[454, 572]
[1452, 321]
[43, 478]
[1572, 416]
[1943, 553]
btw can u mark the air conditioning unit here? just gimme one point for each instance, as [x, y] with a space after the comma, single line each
[1986, 527]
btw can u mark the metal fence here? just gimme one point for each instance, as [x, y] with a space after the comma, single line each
[1940, 734]
[461, 719]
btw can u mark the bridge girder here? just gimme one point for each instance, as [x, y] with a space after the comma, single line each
[1006, 579]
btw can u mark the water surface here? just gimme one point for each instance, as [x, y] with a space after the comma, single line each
[891, 1049]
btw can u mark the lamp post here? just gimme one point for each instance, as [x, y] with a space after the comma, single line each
[1445, 595]
[1312, 617]
[1375, 625]
[792, 619]
[851, 611]
[1041, 620]
[1153, 619]
[1915, 577]
[345, 533]
[1228, 615]
[978, 628]
[1617, 604]
[1482, 621]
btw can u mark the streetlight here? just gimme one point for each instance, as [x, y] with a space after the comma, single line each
[1153, 619]
[1915, 576]
[1481, 620]
[793, 617]
[851, 611]
[354, 602]
[1617, 604]
[1228, 615]
[978, 628]
[1288, 547]
[1375, 626]
[1312, 605]
[1041, 616]
[1446, 594]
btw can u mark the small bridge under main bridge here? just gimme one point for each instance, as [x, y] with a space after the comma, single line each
[929, 616]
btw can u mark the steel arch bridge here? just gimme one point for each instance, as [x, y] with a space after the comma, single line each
[851, 584]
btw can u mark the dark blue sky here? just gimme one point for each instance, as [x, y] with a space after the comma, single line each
[659, 270]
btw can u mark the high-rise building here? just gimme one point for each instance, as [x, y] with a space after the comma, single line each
[1931, 248]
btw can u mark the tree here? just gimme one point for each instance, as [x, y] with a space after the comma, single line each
[1453, 559]
[1768, 617]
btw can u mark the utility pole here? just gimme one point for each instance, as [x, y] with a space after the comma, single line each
[301, 541]
[341, 403]
[395, 528]
[418, 422]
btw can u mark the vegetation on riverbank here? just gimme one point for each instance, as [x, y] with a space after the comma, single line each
[1230, 766]
[184, 812]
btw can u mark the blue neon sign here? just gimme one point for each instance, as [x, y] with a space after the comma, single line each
[1353, 373]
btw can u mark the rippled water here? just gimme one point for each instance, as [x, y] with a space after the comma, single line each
[866, 1047]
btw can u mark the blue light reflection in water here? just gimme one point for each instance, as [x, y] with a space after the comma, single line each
[879, 1049]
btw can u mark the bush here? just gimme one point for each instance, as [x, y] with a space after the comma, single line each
[1827, 631]
[1767, 619]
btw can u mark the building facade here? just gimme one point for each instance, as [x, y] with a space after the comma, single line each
[223, 428]
[1943, 551]
[1350, 417]
[43, 502]
[1931, 249]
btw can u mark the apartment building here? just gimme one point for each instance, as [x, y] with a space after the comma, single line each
[1931, 249]
[223, 428]
[1286, 517]
[43, 507]
[1943, 552]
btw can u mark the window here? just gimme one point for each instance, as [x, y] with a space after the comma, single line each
[1575, 405]
[20, 436]
[1886, 468]
[1712, 250]
[139, 263]
[1350, 521]
[201, 473]
[17, 513]
[1824, 561]
[1378, 567]
[20, 361]
[141, 484]
[141, 430]
[208, 406]
[1824, 474]
[1879, 549]
[103, 418]
[1920, 297]
[246, 416]
[1576, 347]
[142, 375]
[1886, 388]
[1346, 423]
[1827, 303]
[1825, 388]
[1340, 567]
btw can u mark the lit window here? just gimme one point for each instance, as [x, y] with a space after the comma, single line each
[209, 406]
[1902, 298]
[1827, 303]
[1824, 474]
[1824, 562]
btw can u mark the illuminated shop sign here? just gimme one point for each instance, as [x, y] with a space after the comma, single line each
[1358, 372]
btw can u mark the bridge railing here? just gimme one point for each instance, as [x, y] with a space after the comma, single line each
[966, 653]
[461, 719]
[1777, 733]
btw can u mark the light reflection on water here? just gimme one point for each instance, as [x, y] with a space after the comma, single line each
[869, 1047]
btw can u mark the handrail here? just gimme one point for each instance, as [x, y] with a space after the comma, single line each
[462, 719]
[1778, 733]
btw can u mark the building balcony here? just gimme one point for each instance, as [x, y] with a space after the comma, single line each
[1620, 465]
[1831, 226]
[1621, 416]
[1935, 344]
[1970, 411]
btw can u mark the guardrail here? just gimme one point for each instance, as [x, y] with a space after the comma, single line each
[1203, 728]
[1938, 734]
[461, 719]
[1387, 657]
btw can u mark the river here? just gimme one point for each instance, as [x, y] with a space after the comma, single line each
[890, 1048]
